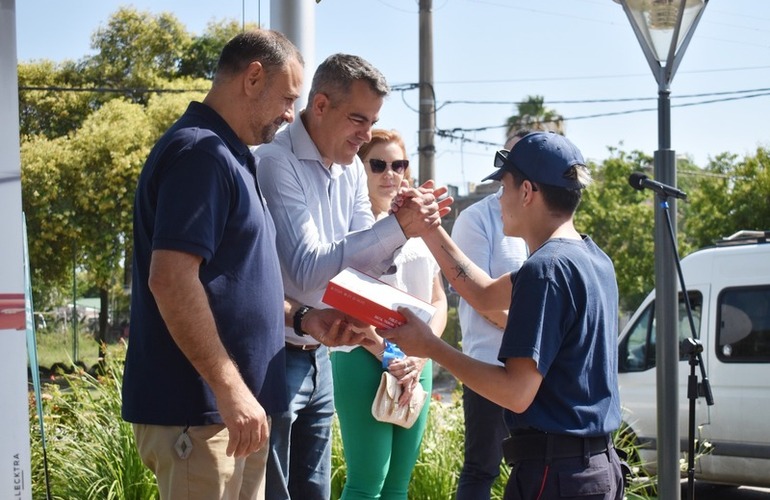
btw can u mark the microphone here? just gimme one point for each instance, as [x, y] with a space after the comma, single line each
[640, 181]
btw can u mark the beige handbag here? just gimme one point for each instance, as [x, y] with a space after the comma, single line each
[385, 406]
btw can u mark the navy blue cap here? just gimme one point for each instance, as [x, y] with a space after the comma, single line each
[542, 157]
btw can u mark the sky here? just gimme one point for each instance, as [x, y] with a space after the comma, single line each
[580, 55]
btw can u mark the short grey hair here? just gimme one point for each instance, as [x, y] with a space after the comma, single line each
[335, 76]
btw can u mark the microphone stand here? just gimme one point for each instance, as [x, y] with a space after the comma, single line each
[693, 347]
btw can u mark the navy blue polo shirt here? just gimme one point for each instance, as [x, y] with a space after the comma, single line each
[564, 315]
[198, 194]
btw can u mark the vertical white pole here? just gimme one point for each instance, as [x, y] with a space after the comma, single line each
[296, 20]
[14, 419]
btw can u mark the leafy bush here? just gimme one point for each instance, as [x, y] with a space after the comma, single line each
[438, 466]
[90, 450]
[437, 471]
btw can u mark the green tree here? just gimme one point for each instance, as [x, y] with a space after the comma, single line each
[533, 114]
[137, 50]
[200, 60]
[163, 109]
[620, 220]
[48, 201]
[751, 193]
[82, 151]
[112, 145]
[728, 195]
[43, 108]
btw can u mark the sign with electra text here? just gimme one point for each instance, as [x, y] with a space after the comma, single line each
[14, 418]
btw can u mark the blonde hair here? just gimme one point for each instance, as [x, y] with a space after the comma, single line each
[382, 136]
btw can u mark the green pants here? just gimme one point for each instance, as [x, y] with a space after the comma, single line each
[379, 456]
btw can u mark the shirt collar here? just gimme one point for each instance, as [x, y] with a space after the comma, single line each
[220, 127]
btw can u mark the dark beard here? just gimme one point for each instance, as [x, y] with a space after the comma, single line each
[268, 132]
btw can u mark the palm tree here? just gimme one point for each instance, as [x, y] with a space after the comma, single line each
[533, 114]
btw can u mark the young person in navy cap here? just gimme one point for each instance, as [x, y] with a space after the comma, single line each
[559, 378]
[478, 232]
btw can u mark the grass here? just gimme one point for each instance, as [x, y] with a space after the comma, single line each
[91, 451]
[55, 349]
[438, 466]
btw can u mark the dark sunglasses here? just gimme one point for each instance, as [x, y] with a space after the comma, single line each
[379, 166]
[501, 158]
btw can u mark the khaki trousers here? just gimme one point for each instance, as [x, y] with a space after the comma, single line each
[207, 473]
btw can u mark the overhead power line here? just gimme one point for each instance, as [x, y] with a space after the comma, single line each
[595, 101]
[593, 77]
[459, 133]
[106, 90]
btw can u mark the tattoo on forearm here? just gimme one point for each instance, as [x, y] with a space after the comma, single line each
[462, 269]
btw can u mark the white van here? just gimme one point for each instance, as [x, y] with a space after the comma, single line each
[729, 291]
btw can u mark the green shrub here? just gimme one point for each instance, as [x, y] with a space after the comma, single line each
[438, 466]
[640, 485]
[437, 471]
[90, 450]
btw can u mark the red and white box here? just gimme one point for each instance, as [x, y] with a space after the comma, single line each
[372, 301]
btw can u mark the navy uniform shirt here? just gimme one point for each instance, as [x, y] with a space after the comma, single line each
[197, 193]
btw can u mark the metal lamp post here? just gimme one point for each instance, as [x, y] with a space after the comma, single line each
[664, 29]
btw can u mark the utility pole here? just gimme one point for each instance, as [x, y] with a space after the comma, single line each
[427, 148]
[296, 20]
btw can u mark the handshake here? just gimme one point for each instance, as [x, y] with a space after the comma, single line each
[420, 209]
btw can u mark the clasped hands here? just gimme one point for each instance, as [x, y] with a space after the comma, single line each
[407, 370]
[420, 209]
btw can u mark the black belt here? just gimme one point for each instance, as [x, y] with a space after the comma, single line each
[302, 347]
[543, 446]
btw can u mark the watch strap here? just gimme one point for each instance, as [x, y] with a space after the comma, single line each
[298, 320]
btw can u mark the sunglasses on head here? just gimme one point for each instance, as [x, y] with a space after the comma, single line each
[379, 166]
[501, 158]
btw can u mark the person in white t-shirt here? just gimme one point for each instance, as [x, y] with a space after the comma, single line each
[478, 232]
[380, 456]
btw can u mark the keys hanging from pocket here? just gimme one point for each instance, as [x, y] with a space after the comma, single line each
[183, 445]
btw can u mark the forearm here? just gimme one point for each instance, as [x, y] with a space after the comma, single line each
[377, 348]
[310, 263]
[495, 383]
[470, 281]
[290, 307]
[185, 309]
[497, 318]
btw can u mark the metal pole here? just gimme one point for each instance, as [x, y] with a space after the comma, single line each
[427, 148]
[75, 343]
[296, 20]
[666, 313]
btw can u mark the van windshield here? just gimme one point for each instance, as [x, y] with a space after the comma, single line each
[637, 350]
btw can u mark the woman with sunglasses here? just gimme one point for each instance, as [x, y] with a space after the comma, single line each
[380, 456]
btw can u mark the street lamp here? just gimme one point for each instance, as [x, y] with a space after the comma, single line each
[664, 29]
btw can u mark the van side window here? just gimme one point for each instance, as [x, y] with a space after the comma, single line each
[743, 334]
[636, 352]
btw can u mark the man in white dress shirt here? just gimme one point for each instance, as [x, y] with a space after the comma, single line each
[315, 187]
